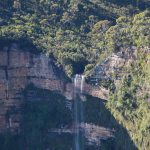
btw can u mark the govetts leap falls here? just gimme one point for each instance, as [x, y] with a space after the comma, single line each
[74, 75]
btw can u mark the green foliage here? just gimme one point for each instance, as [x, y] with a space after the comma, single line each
[74, 31]
[80, 34]
[129, 103]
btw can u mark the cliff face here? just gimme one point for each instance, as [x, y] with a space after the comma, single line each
[113, 66]
[18, 69]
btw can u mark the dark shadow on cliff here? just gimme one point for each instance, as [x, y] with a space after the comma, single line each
[97, 113]
[22, 44]
[44, 110]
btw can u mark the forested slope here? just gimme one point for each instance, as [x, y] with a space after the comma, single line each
[81, 33]
[74, 31]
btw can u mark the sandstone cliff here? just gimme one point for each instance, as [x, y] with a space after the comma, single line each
[21, 68]
[18, 69]
[115, 66]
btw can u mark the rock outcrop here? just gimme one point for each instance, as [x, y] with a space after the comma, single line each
[114, 64]
[88, 89]
[114, 67]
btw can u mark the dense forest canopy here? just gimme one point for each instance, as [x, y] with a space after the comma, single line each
[68, 29]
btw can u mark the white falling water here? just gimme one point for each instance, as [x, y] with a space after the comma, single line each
[82, 83]
[77, 145]
[78, 110]
[79, 83]
[75, 81]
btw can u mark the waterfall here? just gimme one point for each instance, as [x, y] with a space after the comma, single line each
[82, 83]
[79, 83]
[76, 117]
[78, 110]
[6, 75]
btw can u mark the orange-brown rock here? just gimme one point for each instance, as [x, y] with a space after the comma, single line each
[18, 69]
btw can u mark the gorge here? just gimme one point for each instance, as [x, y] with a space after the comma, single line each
[74, 75]
[21, 68]
[28, 78]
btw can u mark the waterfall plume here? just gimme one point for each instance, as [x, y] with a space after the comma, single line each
[78, 110]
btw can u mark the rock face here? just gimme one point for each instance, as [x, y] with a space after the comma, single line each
[88, 89]
[114, 64]
[113, 67]
[18, 69]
